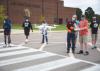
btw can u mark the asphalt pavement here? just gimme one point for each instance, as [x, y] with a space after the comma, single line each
[35, 56]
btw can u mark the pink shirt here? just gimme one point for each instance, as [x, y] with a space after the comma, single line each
[83, 23]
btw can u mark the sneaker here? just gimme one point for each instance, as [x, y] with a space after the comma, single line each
[80, 52]
[86, 53]
[26, 41]
[5, 46]
[67, 51]
[73, 50]
[9, 45]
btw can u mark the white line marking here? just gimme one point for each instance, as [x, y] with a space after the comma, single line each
[89, 62]
[25, 58]
[50, 65]
[98, 49]
[22, 44]
[13, 48]
[42, 47]
[16, 52]
[71, 55]
[73, 58]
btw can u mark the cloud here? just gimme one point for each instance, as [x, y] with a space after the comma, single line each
[83, 4]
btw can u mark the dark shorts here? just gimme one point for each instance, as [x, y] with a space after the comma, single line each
[26, 32]
[7, 32]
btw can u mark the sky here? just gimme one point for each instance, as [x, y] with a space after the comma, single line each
[83, 4]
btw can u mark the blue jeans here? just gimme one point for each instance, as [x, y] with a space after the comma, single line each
[44, 37]
[70, 41]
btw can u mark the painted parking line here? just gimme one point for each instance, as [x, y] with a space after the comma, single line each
[42, 47]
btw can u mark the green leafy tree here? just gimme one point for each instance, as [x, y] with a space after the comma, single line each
[89, 13]
[78, 13]
[98, 17]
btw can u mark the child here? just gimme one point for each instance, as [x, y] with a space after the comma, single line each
[27, 26]
[44, 31]
[94, 31]
[7, 31]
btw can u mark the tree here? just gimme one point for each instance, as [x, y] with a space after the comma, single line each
[98, 17]
[78, 13]
[2, 14]
[89, 13]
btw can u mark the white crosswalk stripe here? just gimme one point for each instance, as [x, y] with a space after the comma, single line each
[51, 65]
[45, 66]
[25, 58]
[16, 52]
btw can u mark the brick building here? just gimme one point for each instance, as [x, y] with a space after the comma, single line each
[53, 10]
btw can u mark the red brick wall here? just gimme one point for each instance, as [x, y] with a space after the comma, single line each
[16, 10]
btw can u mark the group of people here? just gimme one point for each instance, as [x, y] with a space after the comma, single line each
[27, 26]
[74, 27]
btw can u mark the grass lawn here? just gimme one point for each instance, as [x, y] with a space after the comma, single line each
[58, 27]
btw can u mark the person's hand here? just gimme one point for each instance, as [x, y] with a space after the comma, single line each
[77, 29]
[69, 31]
[71, 28]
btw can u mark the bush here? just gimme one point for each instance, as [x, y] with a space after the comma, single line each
[2, 15]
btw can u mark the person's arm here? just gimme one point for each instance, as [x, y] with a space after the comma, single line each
[31, 26]
[3, 24]
[10, 24]
[68, 28]
[91, 24]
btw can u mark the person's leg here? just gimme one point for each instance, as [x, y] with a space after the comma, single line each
[46, 39]
[68, 42]
[95, 40]
[85, 45]
[81, 45]
[42, 38]
[5, 39]
[76, 35]
[26, 36]
[73, 43]
[9, 39]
